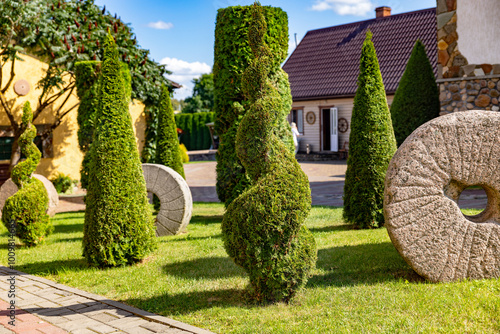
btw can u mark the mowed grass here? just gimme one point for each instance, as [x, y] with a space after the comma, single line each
[360, 285]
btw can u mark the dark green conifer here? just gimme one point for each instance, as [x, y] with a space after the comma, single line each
[417, 98]
[168, 152]
[27, 208]
[263, 228]
[371, 145]
[119, 227]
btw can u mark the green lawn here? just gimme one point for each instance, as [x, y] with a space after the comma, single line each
[361, 284]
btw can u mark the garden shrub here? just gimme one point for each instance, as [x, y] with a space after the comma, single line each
[263, 228]
[184, 153]
[196, 135]
[27, 208]
[168, 152]
[63, 183]
[119, 226]
[417, 98]
[232, 54]
[371, 145]
[87, 75]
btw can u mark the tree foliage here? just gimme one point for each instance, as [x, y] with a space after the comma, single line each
[263, 228]
[371, 145]
[27, 208]
[61, 33]
[119, 226]
[203, 95]
[417, 98]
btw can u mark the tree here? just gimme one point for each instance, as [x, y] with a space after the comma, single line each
[263, 228]
[232, 55]
[119, 226]
[27, 208]
[178, 105]
[203, 95]
[168, 152]
[371, 145]
[417, 98]
[62, 32]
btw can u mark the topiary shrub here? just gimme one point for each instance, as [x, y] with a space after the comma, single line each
[417, 98]
[184, 153]
[63, 183]
[371, 145]
[168, 152]
[119, 226]
[232, 54]
[28, 206]
[263, 228]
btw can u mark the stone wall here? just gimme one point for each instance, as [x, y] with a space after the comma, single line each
[463, 86]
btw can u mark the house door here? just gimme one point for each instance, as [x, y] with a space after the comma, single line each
[330, 133]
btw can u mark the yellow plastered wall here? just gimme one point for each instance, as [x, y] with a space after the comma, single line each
[67, 157]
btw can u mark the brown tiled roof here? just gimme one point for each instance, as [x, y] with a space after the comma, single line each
[326, 62]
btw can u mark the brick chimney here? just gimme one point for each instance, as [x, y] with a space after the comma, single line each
[383, 11]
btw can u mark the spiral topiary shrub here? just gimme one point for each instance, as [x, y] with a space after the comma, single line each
[28, 206]
[232, 54]
[119, 227]
[371, 145]
[263, 229]
[168, 152]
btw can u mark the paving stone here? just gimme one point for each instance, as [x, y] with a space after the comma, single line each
[128, 322]
[104, 317]
[103, 329]
[156, 327]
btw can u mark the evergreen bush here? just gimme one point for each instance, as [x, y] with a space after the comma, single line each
[184, 153]
[168, 152]
[232, 54]
[417, 98]
[119, 226]
[63, 183]
[371, 145]
[27, 208]
[197, 136]
[263, 228]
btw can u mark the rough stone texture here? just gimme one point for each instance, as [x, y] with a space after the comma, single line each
[423, 183]
[9, 188]
[175, 198]
[480, 93]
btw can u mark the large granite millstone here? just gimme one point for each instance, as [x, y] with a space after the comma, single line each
[9, 188]
[423, 183]
[176, 204]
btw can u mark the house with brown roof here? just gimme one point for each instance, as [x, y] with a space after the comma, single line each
[324, 68]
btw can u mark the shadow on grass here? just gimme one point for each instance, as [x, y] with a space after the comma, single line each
[361, 264]
[206, 220]
[332, 228]
[209, 267]
[188, 238]
[70, 228]
[53, 267]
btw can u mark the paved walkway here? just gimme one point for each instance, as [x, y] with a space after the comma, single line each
[43, 306]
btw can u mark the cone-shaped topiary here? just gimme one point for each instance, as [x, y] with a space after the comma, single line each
[119, 226]
[417, 98]
[28, 206]
[168, 152]
[232, 55]
[263, 228]
[371, 145]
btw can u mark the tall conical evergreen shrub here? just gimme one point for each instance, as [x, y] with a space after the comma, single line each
[371, 145]
[232, 54]
[27, 208]
[263, 228]
[168, 152]
[417, 98]
[119, 226]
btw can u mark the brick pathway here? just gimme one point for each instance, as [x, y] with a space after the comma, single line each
[43, 306]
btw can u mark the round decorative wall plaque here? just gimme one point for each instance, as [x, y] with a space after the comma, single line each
[343, 125]
[22, 87]
[310, 117]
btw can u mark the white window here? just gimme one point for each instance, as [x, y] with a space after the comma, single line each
[297, 116]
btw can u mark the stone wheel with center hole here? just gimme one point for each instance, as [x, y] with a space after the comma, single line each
[423, 183]
[176, 204]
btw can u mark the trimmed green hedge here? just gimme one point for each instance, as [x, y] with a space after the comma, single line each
[196, 135]
[27, 208]
[119, 227]
[263, 228]
[417, 98]
[371, 145]
[232, 55]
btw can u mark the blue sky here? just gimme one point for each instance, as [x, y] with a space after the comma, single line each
[180, 33]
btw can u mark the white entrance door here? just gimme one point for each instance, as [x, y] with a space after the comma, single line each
[334, 136]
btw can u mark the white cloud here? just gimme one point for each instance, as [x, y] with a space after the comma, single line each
[345, 7]
[161, 25]
[184, 72]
